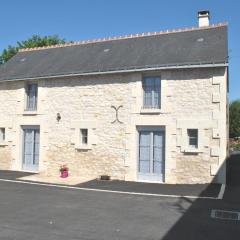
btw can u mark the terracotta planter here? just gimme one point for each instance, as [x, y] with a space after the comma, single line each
[64, 174]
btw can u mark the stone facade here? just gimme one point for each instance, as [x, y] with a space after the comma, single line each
[189, 98]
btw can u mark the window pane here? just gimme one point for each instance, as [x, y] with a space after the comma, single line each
[158, 145]
[148, 98]
[193, 141]
[156, 99]
[84, 136]
[157, 82]
[2, 134]
[151, 88]
[36, 146]
[144, 152]
[193, 137]
[157, 93]
[149, 81]
[32, 97]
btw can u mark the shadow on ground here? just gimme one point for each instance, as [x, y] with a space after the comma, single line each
[13, 175]
[198, 190]
[191, 190]
[196, 222]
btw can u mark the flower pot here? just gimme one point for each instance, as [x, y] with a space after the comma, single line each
[64, 174]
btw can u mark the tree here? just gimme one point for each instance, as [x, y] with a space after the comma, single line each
[234, 118]
[34, 41]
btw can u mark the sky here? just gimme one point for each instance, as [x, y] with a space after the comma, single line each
[76, 20]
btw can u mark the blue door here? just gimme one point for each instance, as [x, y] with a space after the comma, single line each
[30, 149]
[151, 162]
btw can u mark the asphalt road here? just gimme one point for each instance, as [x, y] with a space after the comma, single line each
[40, 212]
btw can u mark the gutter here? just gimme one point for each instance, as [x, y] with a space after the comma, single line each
[136, 70]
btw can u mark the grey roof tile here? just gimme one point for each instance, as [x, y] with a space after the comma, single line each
[201, 46]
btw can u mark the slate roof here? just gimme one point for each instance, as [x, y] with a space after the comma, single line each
[170, 48]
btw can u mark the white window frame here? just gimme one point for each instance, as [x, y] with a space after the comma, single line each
[3, 142]
[77, 137]
[182, 139]
[195, 138]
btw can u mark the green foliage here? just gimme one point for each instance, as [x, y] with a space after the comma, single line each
[7, 53]
[234, 118]
[237, 147]
[34, 41]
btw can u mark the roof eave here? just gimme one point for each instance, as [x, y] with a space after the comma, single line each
[132, 70]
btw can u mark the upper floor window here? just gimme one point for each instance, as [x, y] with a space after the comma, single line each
[152, 92]
[2, 134]
[32, 95]
[192, 138]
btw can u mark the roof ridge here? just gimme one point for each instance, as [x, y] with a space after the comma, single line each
[139, 35]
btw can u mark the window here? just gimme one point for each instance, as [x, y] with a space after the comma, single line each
[152, 92]
[84, 136]
[192, 138]
[2, 134]
[32, 97]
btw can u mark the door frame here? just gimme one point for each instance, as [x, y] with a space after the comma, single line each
[24, 127]
[157, 129]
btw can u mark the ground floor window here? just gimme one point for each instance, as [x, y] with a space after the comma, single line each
[192, 138]
[84, 136]
[2, 134]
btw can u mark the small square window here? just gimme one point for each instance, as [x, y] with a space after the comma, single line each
[84, 136]
[2, 134]
[192, 138]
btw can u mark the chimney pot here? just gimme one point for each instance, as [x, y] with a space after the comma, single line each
[203, 18]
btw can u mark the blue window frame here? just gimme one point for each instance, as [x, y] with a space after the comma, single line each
[152, 92]
[151, 165]
[32, 95]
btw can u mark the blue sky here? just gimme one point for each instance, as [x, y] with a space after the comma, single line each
[78, 19]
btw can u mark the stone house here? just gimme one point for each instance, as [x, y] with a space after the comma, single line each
[146, 107]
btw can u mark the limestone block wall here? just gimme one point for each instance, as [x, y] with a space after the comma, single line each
[5, 157]
[9, 103]
[89, 100]
[193, 98]
[198, 100]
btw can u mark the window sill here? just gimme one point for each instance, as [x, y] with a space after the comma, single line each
[83, 147]
[2, 144]
[192, 150]
[26, 112]
[150, 111]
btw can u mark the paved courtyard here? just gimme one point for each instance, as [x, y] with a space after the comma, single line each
[40, 212]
